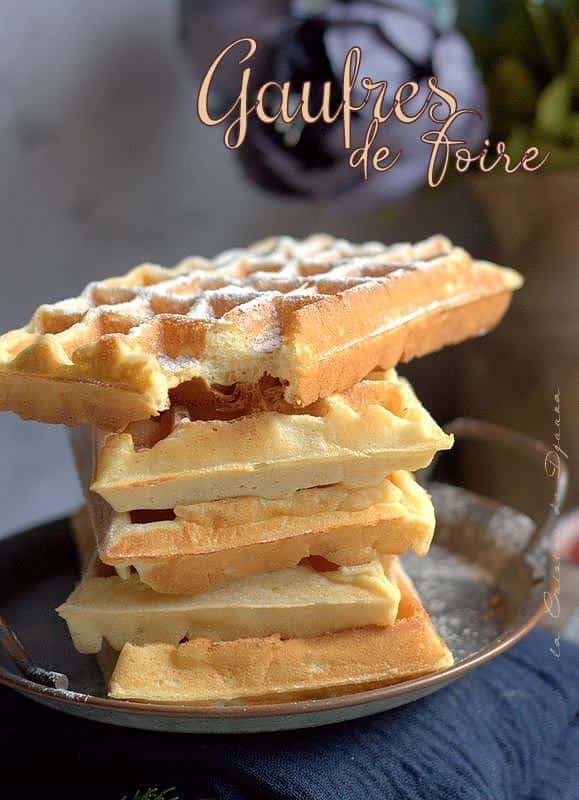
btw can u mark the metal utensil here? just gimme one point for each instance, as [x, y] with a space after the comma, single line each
[540, 541]
[17, 652]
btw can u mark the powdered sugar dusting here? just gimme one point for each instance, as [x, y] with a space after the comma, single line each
[238, 279]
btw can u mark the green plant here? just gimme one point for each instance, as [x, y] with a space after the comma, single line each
[529, 55]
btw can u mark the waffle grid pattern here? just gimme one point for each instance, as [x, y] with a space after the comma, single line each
[238, 283]
[317, 315]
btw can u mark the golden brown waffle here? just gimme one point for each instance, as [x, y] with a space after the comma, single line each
[271, 669]
[354, 438]
[348, 527]
[298, 602]
[316, 315]
[208, 543]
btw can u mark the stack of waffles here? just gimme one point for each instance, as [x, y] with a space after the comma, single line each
[246, 451]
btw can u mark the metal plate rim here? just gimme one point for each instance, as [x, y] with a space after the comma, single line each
[287, 709]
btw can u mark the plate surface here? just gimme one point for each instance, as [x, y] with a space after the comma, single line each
[482, 595]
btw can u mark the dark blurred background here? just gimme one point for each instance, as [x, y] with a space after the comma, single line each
[104, 163]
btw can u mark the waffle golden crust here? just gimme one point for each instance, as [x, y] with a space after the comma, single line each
[208, 543]
[354, 438]
[316, 314]
[298, 602]
[272, 669]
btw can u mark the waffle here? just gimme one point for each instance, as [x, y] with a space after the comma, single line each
[354, 438]
[270, 669]
[316, 315]
[191, 548]
[299, 602]
[208, 543]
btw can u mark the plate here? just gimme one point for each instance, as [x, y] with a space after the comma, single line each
[481, 590]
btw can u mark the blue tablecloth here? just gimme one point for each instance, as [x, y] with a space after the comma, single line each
[507, 731]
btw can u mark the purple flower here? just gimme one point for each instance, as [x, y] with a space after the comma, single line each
[399, 42]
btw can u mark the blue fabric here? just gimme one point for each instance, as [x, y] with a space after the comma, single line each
[509, 730]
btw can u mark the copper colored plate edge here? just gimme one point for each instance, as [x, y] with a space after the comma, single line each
[290, 708]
